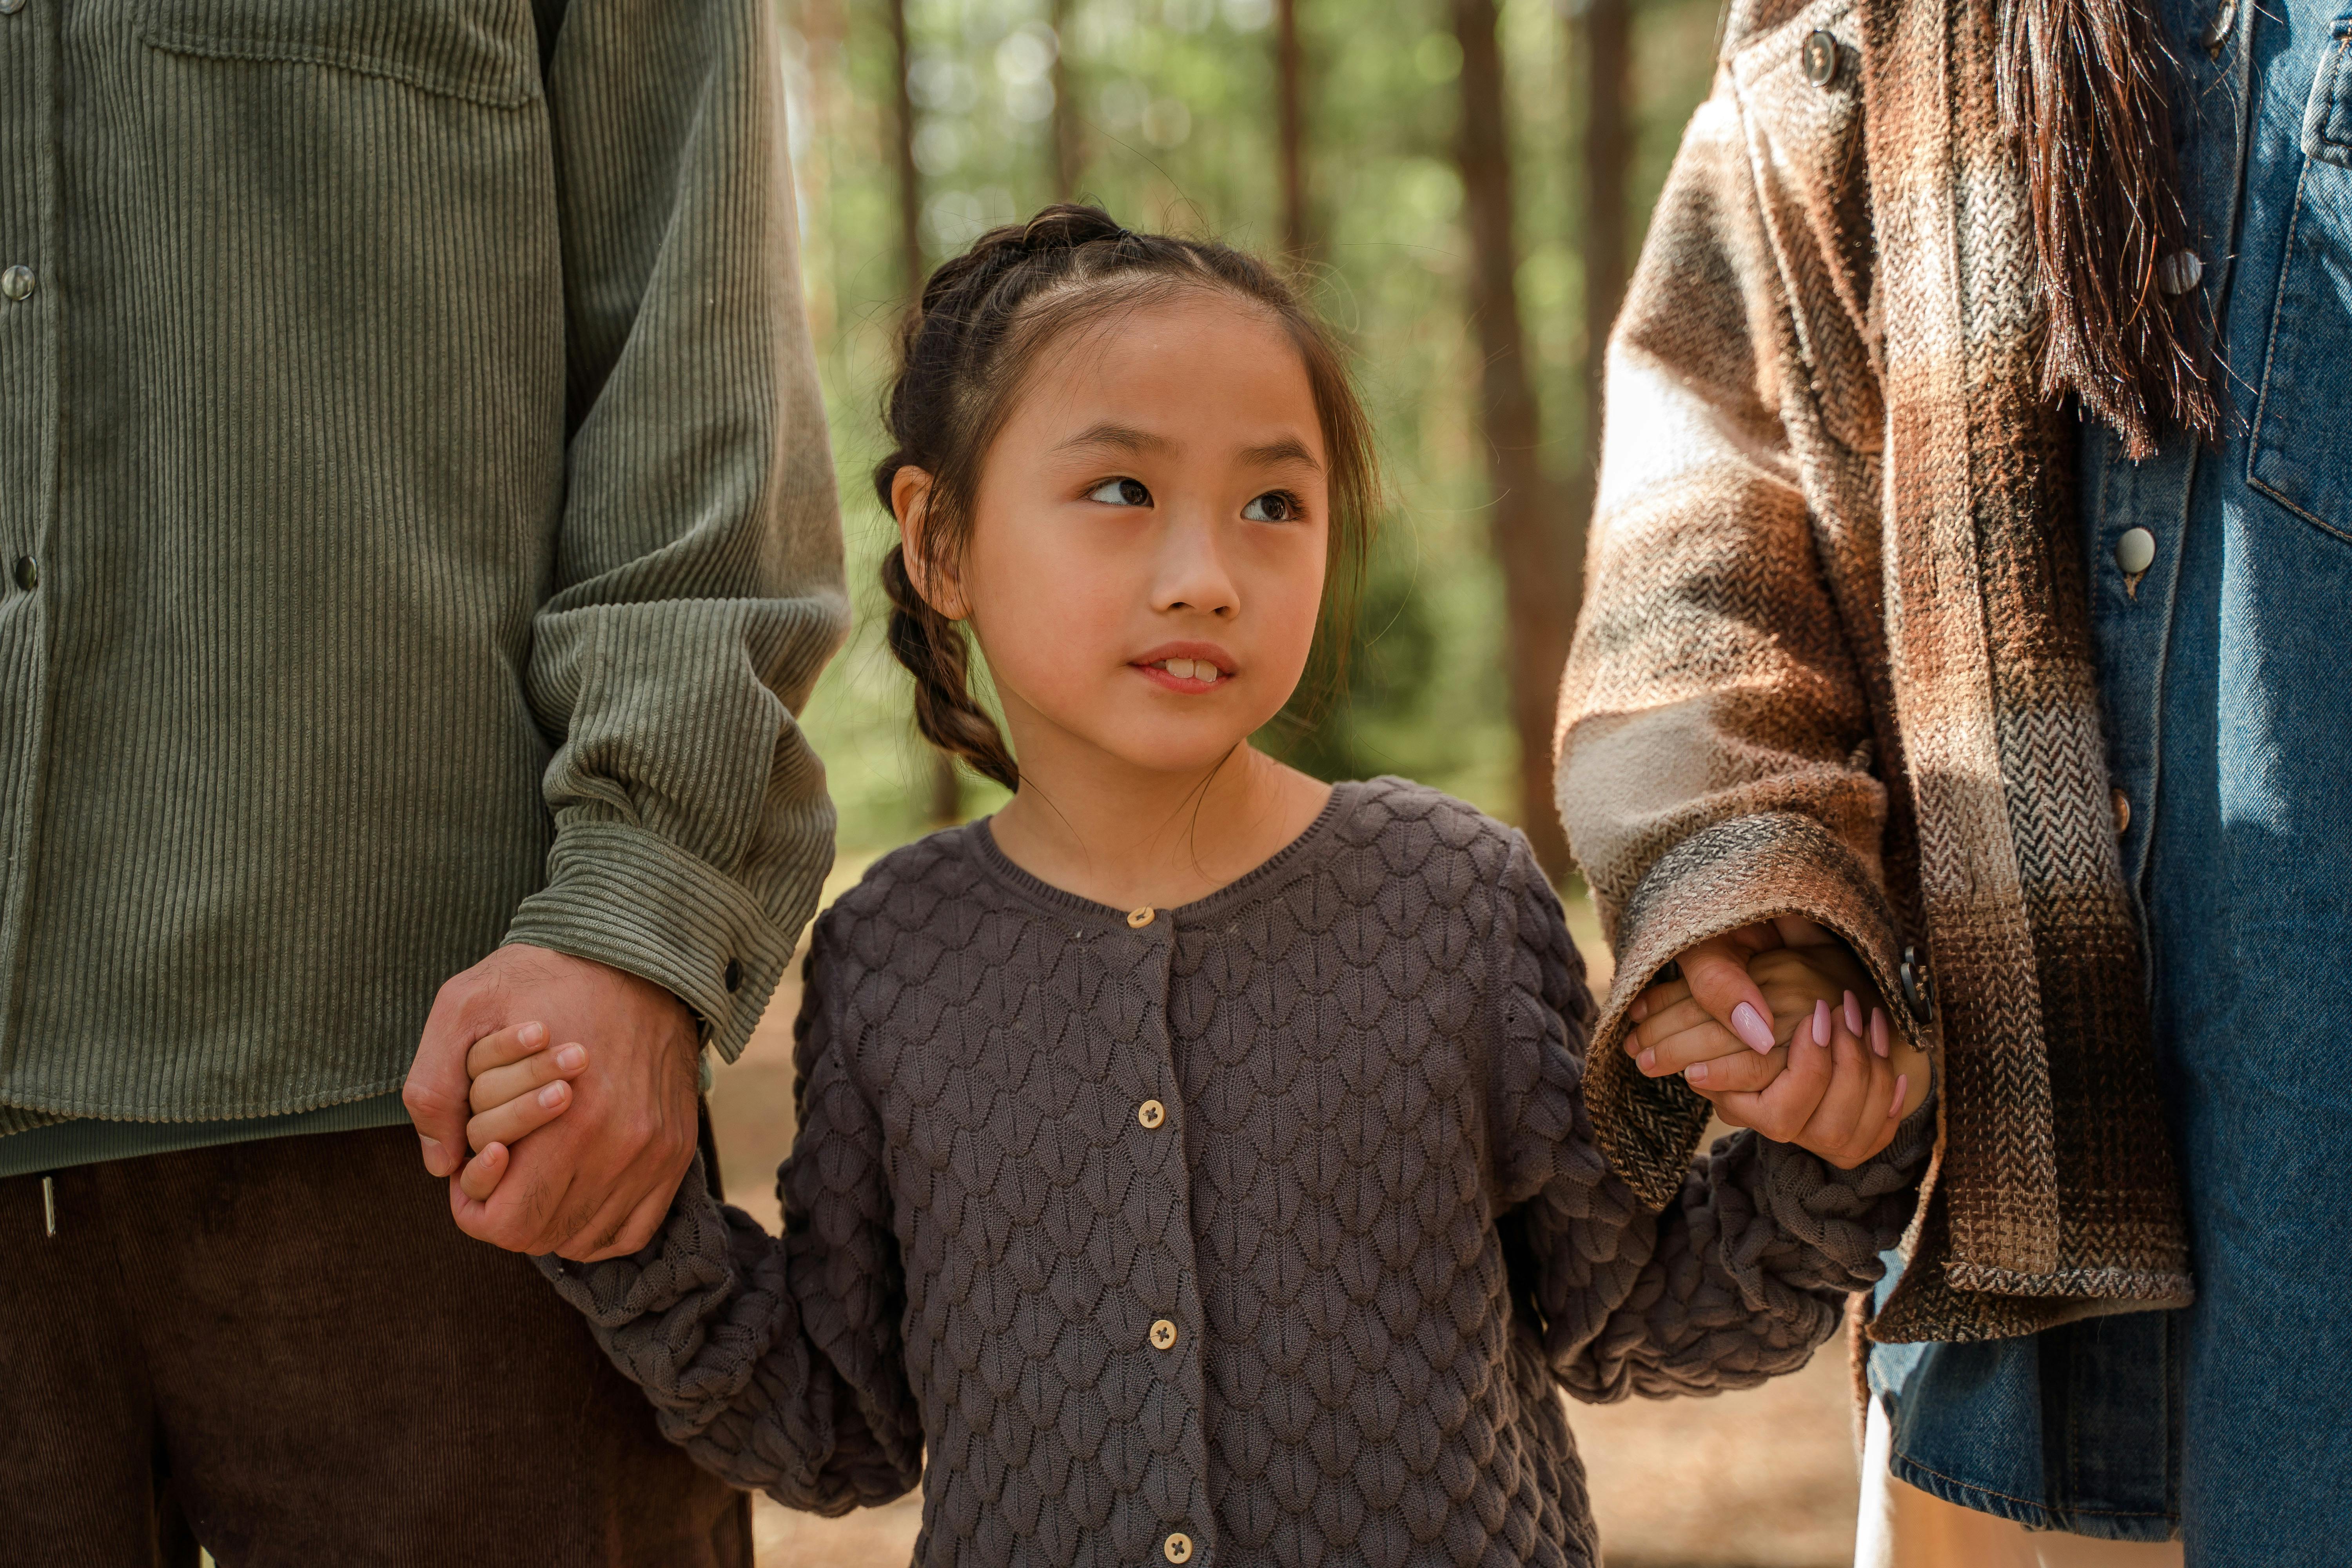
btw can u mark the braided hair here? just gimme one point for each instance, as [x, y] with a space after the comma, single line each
[963, 356]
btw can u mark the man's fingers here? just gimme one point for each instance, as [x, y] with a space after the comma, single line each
[643, 1224]
[480, 1177]
[519, 1118]
[435, 1095]
[501, 1046]
[500, 1085]
[1718, 973]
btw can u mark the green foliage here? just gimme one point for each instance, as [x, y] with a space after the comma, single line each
[1177, 99]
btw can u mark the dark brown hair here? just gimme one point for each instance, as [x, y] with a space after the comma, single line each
[2084, 89]
[964, 355]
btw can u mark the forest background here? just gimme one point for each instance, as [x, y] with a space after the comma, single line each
[1462, 183]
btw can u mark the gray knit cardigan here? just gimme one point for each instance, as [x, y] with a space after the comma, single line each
[1261, 1230]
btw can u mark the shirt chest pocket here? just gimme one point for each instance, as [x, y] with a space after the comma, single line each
[478, 52]
[2301, 453]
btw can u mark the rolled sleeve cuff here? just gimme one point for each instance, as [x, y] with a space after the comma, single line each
[1732, 874]
[629, 899]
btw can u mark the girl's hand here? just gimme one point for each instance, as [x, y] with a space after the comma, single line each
[1706, 1024]
[518, 1086]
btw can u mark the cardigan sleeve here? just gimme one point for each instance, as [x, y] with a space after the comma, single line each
[1719, 743]
[1738, 1278]
[694, 588]
[775, 1361]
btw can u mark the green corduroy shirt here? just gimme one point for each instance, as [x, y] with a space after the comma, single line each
[416, 532]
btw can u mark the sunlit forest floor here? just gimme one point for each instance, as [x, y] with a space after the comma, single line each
[1760, 1480]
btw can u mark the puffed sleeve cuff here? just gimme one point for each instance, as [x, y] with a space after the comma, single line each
[622, 896]
[1731, 874]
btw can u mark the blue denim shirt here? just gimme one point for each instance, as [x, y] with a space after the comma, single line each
[2225, 656]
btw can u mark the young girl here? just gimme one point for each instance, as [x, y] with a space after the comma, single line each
[1191, 1163]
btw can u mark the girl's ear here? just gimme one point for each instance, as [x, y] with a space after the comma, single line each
[910, 501]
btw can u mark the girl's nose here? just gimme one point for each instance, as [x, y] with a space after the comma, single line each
[1193, 573]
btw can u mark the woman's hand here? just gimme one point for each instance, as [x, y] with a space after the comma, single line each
[1840, 1098]
[1794, 973]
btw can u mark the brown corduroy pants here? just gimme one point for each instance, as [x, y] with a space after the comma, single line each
[285, 1351]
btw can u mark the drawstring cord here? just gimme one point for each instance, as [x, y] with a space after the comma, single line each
[49, 1204]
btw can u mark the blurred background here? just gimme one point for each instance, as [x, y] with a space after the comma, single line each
[1461, 185]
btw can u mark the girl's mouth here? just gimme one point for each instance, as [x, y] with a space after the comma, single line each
[1184, 674]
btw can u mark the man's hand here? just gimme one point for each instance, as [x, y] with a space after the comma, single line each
[595, 1182]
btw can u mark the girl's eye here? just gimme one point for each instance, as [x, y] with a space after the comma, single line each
[1275, 506]
[1120, 492]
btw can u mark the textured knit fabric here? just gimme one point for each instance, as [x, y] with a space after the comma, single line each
[283, 1350]
[1323, 1128]
[1834, 657]
[420, 533]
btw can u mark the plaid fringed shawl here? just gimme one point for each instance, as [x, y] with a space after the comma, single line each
[1835, 657]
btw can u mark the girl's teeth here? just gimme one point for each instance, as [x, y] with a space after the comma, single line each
[1181, 668]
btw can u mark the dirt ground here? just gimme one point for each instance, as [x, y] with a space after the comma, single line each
[1765, 1478]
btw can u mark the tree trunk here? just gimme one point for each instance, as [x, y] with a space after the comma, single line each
[1600, 39]
[1069, 148]
[942, 787]
[1607, 32]
[1290, 106]
[1524, 522]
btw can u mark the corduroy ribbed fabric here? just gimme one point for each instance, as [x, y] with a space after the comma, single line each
[418, 528]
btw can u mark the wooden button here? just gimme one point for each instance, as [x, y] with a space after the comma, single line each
[1164, 1335]
[1151, 1113]
[2122, 812]
[1139, 919]
[1918, 986]
[1177, 1548]
[1819, 58]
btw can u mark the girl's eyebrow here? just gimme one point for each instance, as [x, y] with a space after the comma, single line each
[1288, 449]
[1120, 438]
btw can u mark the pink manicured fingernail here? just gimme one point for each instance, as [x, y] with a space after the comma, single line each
[1751, 1028]
[571, 1056]
[533, 1033]
[1648, 1060]
[1695, 1073]
[1878, 1030]
[1821, 1023]
[553, 1095]
[1639, 1010]
[1853, 1014]
[1901, 1087]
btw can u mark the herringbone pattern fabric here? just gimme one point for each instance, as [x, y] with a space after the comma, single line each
[1373, 1215]
[1835, 659]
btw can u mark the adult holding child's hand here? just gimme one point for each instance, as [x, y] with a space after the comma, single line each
[446, 610]
[595, 1182]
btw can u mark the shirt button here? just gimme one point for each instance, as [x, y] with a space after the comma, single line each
[1151, 1113]
[1139, 919]
[1819, 58]
[28, 572]
[2122, 813]
[1164, 1335]
[2217, 30]
[1177, 1548]
[2136, 550]
[10, 7]
[2179, 272]
[17, 282]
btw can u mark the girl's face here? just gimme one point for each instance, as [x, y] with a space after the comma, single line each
[1146, 553]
